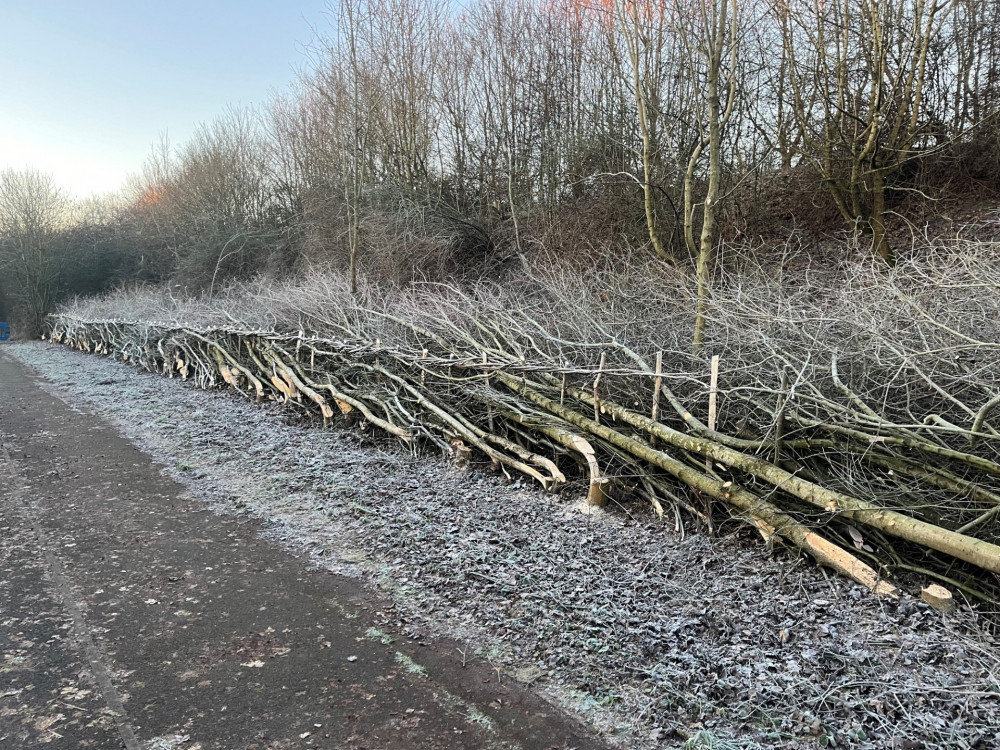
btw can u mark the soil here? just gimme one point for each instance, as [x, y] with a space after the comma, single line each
[651, 637]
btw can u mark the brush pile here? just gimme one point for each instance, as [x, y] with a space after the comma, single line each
[854, 414]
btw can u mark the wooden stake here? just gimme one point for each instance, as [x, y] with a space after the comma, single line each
[656, 392]
[713, 393]
[597, 397]
[486, 377]
[713, 405]
[779, 422]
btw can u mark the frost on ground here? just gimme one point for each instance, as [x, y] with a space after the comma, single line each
[659, 641]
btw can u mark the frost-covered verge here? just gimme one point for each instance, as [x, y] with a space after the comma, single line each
[656, 639]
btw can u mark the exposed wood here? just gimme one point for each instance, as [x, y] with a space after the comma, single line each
[938, 597]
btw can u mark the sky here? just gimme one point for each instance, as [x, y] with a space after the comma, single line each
[88, 86]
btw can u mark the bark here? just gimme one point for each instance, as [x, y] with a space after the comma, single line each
[821, 549]
[979, 553]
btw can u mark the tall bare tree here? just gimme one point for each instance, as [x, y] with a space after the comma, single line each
[648, 38]
[32, 212]
[710, 32]
[857, 70]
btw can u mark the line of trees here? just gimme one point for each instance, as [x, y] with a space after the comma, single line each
[424, 139]
[51, 247]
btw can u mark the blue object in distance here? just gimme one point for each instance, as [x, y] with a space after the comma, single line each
[4, 331]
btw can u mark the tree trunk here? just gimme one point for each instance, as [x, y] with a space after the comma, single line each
[707, 243]
[648, 145]
[880, 243]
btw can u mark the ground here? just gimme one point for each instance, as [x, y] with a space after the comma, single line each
[235, 580]
[133, 616]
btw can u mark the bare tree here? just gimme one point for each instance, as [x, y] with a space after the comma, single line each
[857, 71]
[32, 212]
[212, 201]
[645, 29]
[710, 33]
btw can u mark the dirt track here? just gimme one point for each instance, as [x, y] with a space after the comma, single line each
[654, 639]
[132, 616]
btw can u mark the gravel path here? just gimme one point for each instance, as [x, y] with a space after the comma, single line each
[660, 642]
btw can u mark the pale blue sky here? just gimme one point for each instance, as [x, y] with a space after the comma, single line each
[86, 87]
